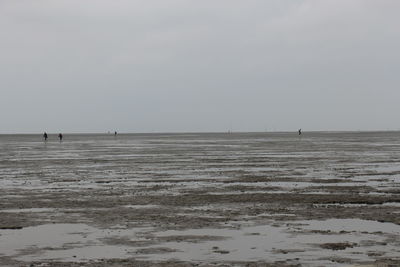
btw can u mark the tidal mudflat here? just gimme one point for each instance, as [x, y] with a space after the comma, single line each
[240, 199]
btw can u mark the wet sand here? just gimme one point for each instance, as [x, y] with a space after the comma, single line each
[241, 199]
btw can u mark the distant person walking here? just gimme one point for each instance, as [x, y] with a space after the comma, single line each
[60, 136]
[45, 136]
[299, 131]
[115, 133]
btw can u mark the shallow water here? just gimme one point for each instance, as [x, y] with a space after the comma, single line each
[240, 241]
[268, 196]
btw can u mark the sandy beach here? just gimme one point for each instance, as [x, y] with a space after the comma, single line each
[238, 199]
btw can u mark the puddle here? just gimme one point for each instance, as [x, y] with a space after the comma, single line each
[350, 205]
[84, 253]
[276, 243]
[392, 204]
[141, 206]
[352, 225]
[240, 241]
[66, 242]
[29, 210]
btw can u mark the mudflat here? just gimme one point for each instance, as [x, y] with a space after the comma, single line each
[227, 199]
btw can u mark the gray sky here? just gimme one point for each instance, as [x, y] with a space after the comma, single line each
[191, 65]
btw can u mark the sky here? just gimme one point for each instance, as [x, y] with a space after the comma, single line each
[199, 66]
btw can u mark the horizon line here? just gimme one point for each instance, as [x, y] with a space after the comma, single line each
[204, 132]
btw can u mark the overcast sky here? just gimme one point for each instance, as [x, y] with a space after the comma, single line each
[199, 65]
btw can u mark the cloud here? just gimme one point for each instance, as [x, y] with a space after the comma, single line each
[199, 65]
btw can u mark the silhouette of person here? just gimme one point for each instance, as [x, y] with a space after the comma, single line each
[299, 131]
[60, 136]
[115, 133]
[45, 136]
